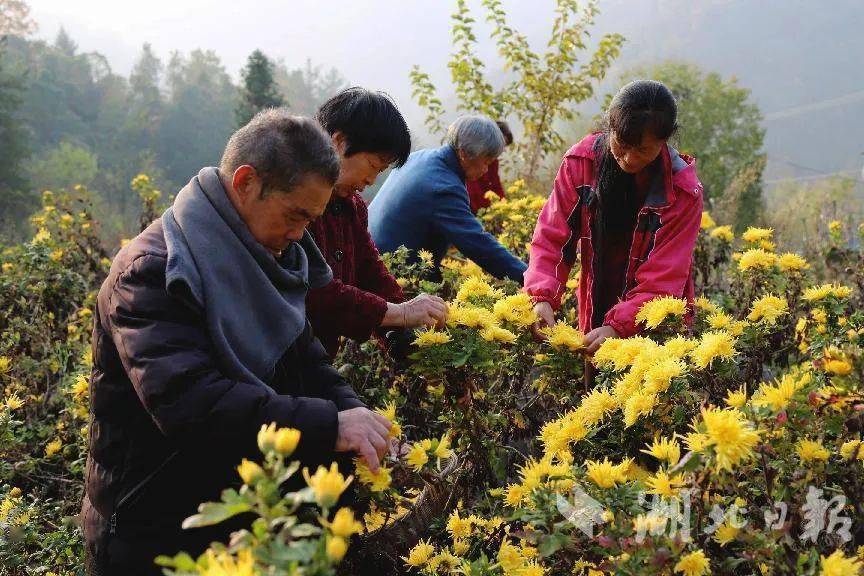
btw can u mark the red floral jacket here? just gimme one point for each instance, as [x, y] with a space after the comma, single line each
[354, 303]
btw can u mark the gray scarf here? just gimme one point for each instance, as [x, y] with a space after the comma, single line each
[253, 304]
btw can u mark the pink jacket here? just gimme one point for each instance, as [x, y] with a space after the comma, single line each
[661, 254]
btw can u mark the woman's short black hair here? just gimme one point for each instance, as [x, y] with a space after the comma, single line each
[370, 121]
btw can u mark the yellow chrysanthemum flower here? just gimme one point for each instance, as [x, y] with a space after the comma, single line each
[476, 288]
[756, 259]
[431, 337]
[336, 548]
[707, 222]
[693, 564]
[726, 534]
[666, 450]
[251, 472]
[662, 484]
[811, 451]
[417, 457]
[650, 523]
[791, 262]
[517, 309]
[730, 434]
[53, 447]
[639, 404]
[459, 527]
[754, 234]
[327, 485]
[498, 334]
[655, 311]
[344, 524]
[442, 449]
[852, 449]
[563, 336]
[696, 441]
[222, 562]
[13, 402]
[605, 474]
[768, 309]
[389, 412]
[376, 481]
[704, 304]
[716, 344]
[736, 398]
[420, 554]
[776, 396]
[723, 233]
[660, 374]
[595, 405]
[838, 367]
[470, 317]
[426, 256]
[817, 293]
[838, 564]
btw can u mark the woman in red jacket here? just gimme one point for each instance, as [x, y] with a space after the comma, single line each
[370, 134]
[632, 207]
[490, 181]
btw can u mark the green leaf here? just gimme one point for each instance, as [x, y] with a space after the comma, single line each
[181, 561]
[305, 530]
[551, 544]
[211, 513]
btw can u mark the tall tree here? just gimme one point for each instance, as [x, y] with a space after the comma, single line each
[64, 43]
[198, 116]
[15, 18]
[259, 90]
[16, 199]
[308, 87]
[543, 88]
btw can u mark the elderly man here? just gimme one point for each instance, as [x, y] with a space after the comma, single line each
[424, 204]
[201, 337]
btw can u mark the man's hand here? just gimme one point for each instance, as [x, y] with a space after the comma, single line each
[365, 432]
[595, 338]
[422, 310]
[546, 318]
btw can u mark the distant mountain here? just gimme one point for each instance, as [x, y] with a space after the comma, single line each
[803, 60]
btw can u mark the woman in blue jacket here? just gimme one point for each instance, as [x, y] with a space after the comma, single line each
[424, 204]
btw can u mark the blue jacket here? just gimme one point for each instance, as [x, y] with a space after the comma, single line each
[424, 205]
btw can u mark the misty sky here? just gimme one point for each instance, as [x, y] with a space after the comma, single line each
[371, 43]
[769, 45]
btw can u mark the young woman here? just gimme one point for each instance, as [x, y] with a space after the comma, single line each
[370, 134]
[630, 206]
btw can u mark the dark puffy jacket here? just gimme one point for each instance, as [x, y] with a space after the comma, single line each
[167, 429]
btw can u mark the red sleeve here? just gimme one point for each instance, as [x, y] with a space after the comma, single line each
[372, 274]
[342, 310]
[553, 246]
[667, 269]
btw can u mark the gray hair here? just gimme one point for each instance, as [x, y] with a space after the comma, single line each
[476, 136]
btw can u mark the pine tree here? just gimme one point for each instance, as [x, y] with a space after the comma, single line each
[259, 89]
[16, 198]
